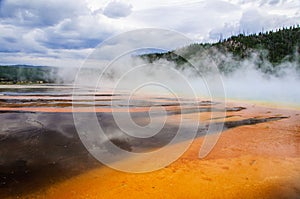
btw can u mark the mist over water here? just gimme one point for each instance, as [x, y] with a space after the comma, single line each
[249, 83]
[255, 78]
[247, 79]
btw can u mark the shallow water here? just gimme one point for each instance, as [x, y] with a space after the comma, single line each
[40, 147]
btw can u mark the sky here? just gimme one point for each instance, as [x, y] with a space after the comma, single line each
[65, 32]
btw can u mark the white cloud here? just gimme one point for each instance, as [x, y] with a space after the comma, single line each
[84, 31]
[117, 9]
[257, 16]
[35, 30]
[40, 13]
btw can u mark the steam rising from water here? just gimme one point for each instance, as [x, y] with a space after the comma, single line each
[251, 84]
[242, 79]
[256, 79]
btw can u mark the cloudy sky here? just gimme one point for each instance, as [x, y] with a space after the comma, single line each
[64, 32]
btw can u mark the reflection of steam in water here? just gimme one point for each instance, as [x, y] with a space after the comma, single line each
[33, 143]
[39, 144]
[58, 97]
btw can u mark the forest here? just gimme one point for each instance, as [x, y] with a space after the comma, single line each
[272, 47]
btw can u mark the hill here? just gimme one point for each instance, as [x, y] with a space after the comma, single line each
[267, 52]
[270, 47]
[26, 74]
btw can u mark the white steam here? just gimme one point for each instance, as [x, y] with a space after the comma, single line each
[242, 79]
[250, 83]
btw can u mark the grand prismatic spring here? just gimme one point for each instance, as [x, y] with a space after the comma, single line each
[42, 156]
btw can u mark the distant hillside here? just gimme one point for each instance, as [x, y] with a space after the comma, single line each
[270, 50]
[274, 47]
[24, 74]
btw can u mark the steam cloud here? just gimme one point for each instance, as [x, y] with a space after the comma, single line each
[247, 79]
